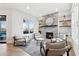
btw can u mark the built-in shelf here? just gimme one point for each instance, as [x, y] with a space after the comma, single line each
[64, 26]
[65, 21]
[49, 26]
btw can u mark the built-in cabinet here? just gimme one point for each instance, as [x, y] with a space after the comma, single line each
[64, 23]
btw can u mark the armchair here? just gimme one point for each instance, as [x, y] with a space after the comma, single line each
[19, 41]
[38, 38]
[54, 49]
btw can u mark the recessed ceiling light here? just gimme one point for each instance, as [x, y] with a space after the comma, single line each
[27, 7]
[40, 15]
[56, 9]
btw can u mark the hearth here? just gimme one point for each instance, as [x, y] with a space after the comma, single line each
[49, 35]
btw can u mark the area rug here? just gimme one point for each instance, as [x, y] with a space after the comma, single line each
[32, 48]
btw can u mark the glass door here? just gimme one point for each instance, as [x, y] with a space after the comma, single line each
[28, 26]
[2, 28]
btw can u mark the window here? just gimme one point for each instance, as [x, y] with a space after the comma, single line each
[28, 26]
[3, 24]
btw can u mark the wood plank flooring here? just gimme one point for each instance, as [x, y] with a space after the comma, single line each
[10, 50]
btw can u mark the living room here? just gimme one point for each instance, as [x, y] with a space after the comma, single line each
[36, 25]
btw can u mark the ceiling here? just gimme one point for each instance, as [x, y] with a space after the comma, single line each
[37, 9]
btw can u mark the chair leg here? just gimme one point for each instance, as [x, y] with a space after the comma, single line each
[41, 48]
[46, 53]
[67, 53]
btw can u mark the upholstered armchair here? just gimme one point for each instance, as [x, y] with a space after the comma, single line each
[54, 49]
[38, 37]
[19, 41]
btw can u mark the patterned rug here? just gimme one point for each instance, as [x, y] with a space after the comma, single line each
[32, 48]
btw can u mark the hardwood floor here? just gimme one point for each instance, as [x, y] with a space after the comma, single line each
[10, 50]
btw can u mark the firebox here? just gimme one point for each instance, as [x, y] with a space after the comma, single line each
[49, 35]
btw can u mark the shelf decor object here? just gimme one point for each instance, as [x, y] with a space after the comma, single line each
[65, 22]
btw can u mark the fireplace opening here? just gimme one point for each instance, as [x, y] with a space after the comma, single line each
[49, 35]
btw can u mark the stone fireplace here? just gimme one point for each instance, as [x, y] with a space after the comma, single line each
[49, 35]
[46, 32]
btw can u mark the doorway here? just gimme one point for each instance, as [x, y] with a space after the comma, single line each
[2, 28]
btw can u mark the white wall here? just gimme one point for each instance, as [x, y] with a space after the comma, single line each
[15, 22]
[75, 34]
